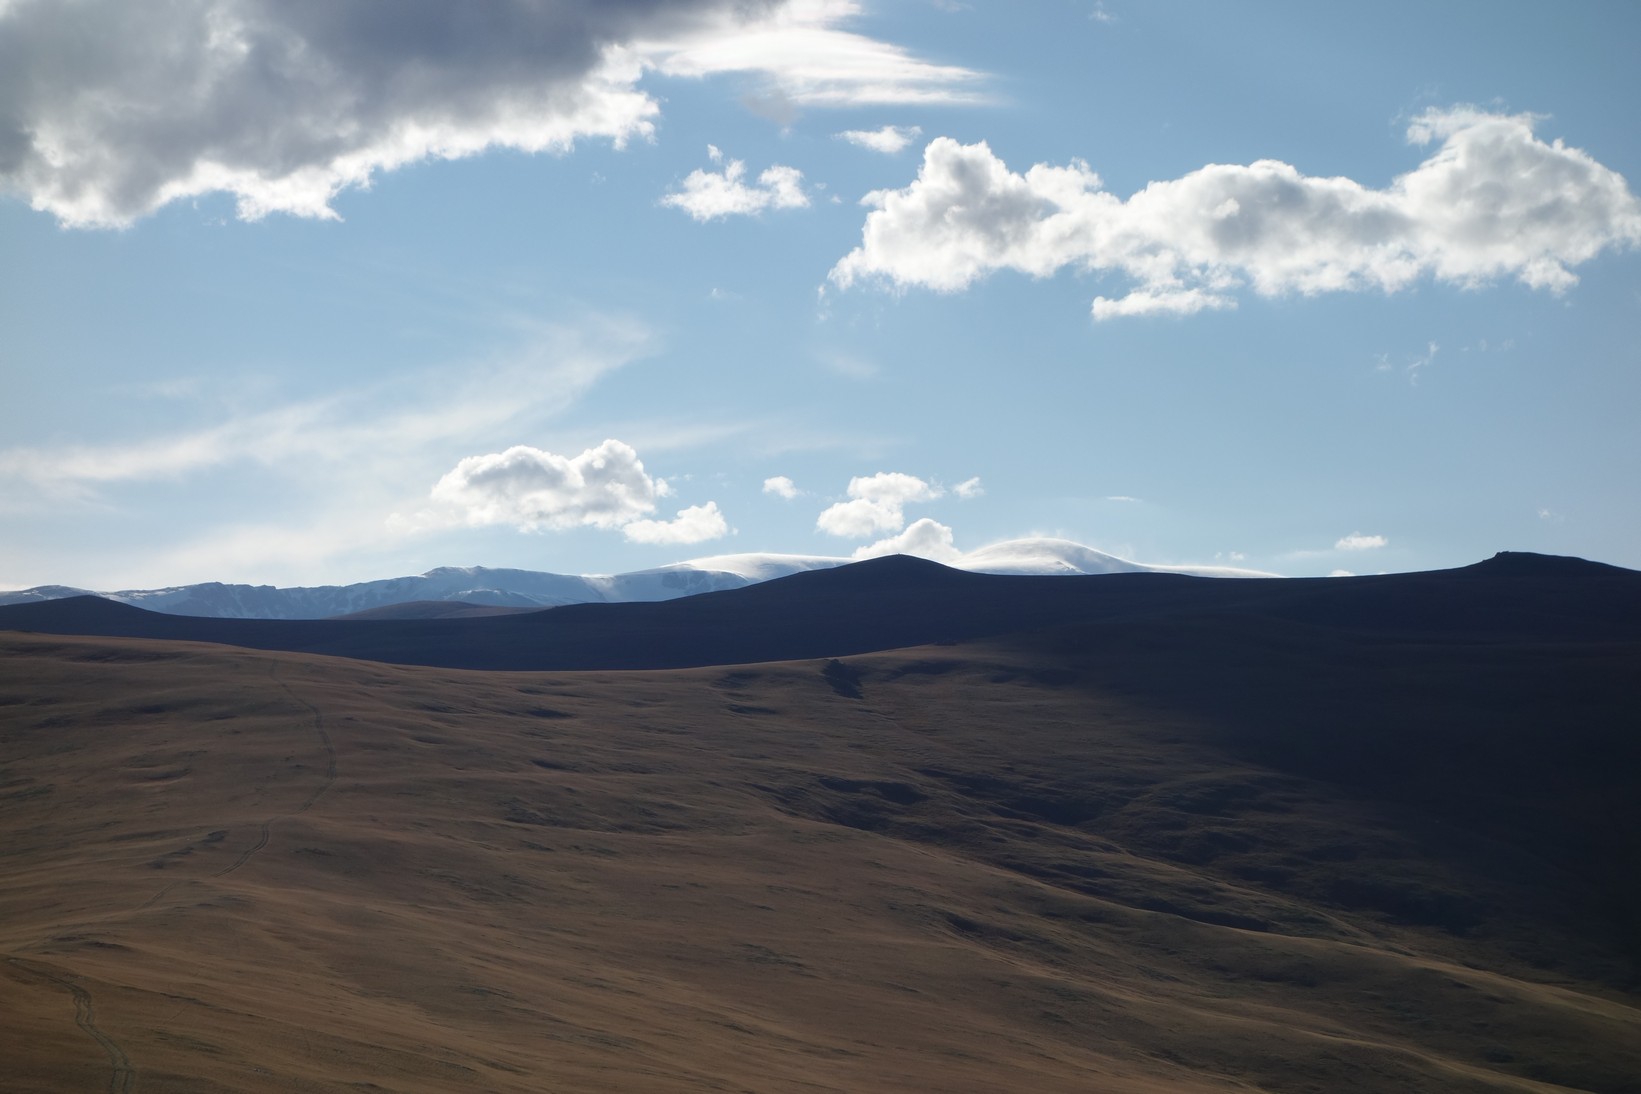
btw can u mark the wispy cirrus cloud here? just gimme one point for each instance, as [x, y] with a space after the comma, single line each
[110, 110]
[373, 430]
[1493, 201]
[318, 481]
[804, 53]
[888, 140]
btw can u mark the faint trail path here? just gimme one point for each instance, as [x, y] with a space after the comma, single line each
[244, 856]
[122, 1076]
[264, 830]
[318, 792]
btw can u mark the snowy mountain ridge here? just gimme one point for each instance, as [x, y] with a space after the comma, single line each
[536, 589]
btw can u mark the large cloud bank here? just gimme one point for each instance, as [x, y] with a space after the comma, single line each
[111, 109]
[1492, 201]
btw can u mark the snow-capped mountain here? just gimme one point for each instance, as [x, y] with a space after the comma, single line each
[1043, 555]
[534, 589]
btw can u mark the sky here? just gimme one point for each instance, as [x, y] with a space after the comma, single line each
[320, 291]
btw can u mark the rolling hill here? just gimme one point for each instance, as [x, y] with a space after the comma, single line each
[884, 827]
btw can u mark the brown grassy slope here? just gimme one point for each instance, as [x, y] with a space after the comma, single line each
[992, 867]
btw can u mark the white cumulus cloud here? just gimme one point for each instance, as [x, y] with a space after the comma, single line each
[110, 109]
[1356, 541]
[695, 524]
[888, 140]
[603, 487]
[707, 195]
[1492, 201]
[924, 538]
[969, 488]
[877, 504]
[781, 487]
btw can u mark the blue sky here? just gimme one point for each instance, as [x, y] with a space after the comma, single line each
[304, 294]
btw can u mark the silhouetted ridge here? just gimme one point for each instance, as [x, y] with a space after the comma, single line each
[87, 610]
[436, 609]
[1530, 564]
[897, 602]
[889, 571]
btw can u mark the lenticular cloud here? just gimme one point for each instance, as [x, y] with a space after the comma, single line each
[1493, 201]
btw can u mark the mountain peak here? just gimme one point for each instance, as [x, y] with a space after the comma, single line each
[1532, 564]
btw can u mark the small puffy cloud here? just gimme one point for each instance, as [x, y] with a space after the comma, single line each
[1356, 541]
[708, 195]
[781, 487]
[1341, 573]
[1492, 201]
[110, 110]
[969, 488]
[695, 524]
[889, 140]
[924, 538]
[877, 504]
[603, 487]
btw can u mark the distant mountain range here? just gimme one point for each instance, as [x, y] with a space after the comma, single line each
[899, 602]
[440, 593]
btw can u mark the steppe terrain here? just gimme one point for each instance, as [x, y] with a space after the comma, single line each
[1250, 849]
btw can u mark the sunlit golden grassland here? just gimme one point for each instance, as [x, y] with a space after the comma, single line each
[981, 867]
